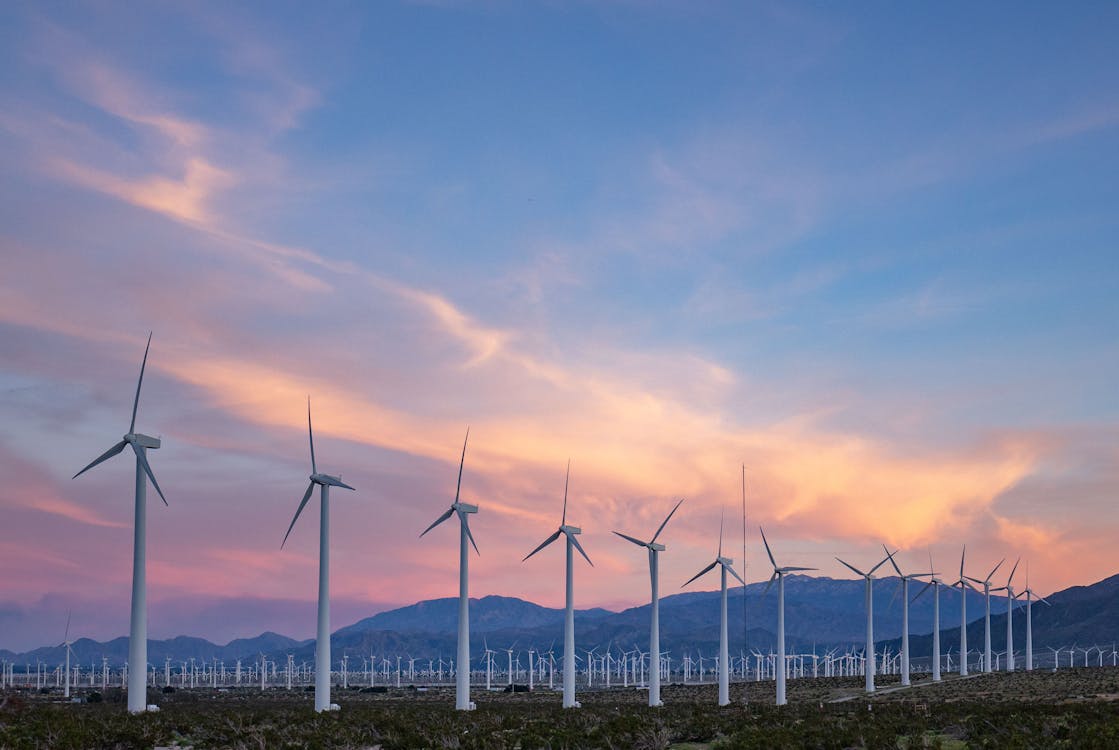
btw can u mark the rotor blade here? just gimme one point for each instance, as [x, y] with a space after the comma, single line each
[638, 542]
[103, 457]
[566, 479]
[665, 522]
[895, 596]
[303, 502]
[543, 544]
[772, 578]
[1044, 600]
[575, 541]
[1013, 571]
[466, 527]
[767, 551]
[697, 575]
[450, 512]
[722, 516]
[852, 567]
[733, 573]
[311, 437]
[890, 557]
[962, 553]
[67, 636]
[336, 483]
[924, 588]
[148, 470]
[461, 463]
[791, 569]
[136, 401]
[995, 568]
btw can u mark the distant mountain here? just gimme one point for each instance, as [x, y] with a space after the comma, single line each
[819, 612]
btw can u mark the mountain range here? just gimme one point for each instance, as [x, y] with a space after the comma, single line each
[820, 613]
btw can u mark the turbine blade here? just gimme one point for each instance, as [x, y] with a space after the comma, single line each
[992, 573]
[148, 470]
[543, 544]
[1013, 571]
[790, 569]
[450, 512]
[306, 497]
[575, 541]
[638, 542]
[697, 575]
[772, 578]
[66, 638]
[890, 557]
[103, 457]
[924, 588]
[722, 517]
[461, 463]
[962, 554]
[567, 478]
[311, 437]
[336, 483]
[1044, 600]
[730, 569]
[136, 401]
[767, 550]
[852, 567]
[466, 527]
[665, 521]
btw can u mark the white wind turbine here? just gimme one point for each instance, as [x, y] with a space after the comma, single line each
[462, 675]
[963, 585]
[724, 564]
[569, 613]
[654, 628]
[1009, 589]
[322, 637]
[66, 642]
[935, 583]
[138, 626]
[779, 574]
[1029, 594]
[905, 579]
[869, 598]
[986, 583]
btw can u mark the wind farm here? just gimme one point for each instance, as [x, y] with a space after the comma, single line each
[812, 305]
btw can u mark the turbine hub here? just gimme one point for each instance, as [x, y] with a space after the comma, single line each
[144, 441]
[570, 529]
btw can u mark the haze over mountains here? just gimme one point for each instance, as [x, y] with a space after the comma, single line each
[820, 612]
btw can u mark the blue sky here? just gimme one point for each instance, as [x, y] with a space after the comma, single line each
[866, 249]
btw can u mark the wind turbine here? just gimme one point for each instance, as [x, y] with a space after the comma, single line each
[462, 676]
[569, 613]
[779, 574]
[1029, 594]
[1009, 589]
[986, 583]
[904, 614]
[935, 583]
[869, 598]
[654, 627]
[138, 626]
[66, 642]
[322, 637]
[724, 564]
[964, 586]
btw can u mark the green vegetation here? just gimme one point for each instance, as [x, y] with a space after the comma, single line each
[1069, 709]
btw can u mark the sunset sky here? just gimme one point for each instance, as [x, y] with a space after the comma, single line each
[866, 249]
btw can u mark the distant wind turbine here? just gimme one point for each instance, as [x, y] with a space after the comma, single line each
[724, 564]
[138, 626]
[570, 532]
[869, 597]
[1009, 589]
[322, 637]
[654, 628]
[963, 585]
[935, 584]
[66, 642]
[1029, 594]
[986, 584]
[462, 674]
[779, 574]
[905, 579]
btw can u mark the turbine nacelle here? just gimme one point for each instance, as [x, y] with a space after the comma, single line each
[570, 529]
[328, 480]
[144, 441]
[465, 508]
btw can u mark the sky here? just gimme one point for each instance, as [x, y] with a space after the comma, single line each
[865, 250]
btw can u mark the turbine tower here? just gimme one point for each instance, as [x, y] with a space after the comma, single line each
[724, 564]
[66, 642]
[1009, 589]
[934, 583]
[462, 674]
[654, 627]
[869, 598]
[1029, 594]
[322, 637]
[569, 613]
[138, 626]
[964, 586]
[905, 579]
[779, 574]
[986, 583]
